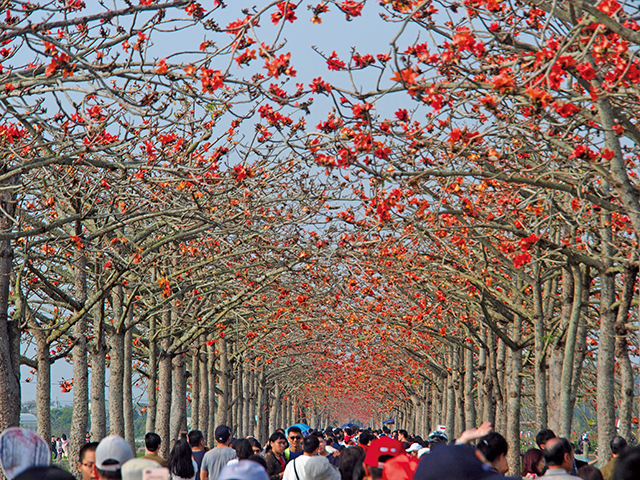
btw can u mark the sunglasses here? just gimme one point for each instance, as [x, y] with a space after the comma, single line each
[296, 438]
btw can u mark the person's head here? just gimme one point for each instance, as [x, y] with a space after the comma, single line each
[310, 445]
[134, 468]
[278, 443]
[533, 462]
[322, 448]
[494, 447]
[378, 453]
[295, 438]
[111, 453]
[558, 452]
[14, 442]
[366, 438]
[87, 460]
[349, 458]
[437, 438]
[255, 445]
[589, 472]
[223, 434]
[152, 442]
[543, 436]
[258, 459]
[618, 445]
[403, 435]
[64, 436]
[243, 449]
[196, 439]
[45, 473]
[319, 468]
[179, 461]
[244, 469]
[628, 467]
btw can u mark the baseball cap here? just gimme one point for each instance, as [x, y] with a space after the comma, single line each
[382, 447]
[222, 433]
[132, 469]
[21, 449]
[414, 447]
[243, 470]
[454, 462]
[401, 467]
[112, 452]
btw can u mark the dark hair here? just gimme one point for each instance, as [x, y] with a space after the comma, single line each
[195, 438]
[45, 473]
[275, 436]
[110, 474]
[255, 443]
[243, 449]
[258, 459]
[310, 444]
[618, 444]
[589, 472]
[294, 429]
[493, 445]
[87, 447]
[404, 433]
[530, 462]
[152, 441]
[543, 436]
[555, 455]
[179, 462]
[628, 467]
[365, 438]
[349, 458]
[64, 436]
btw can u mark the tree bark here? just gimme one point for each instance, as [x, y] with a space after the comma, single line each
[514, 397]
[203, 398]
[163, 414]
[179, 398]
[127, 403]
[540, 379]
[116, 370]
[43, 383]
[222, 416]
[98, 368]
[195, 389]
[152, 381]
[469, 404]
[275, 408]
[213, 397]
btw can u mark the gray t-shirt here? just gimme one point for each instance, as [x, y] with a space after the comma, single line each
[216, 459]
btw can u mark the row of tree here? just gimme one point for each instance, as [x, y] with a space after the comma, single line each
[169, 217]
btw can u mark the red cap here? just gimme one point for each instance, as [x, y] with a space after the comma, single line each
[384, 446]
[401, 467]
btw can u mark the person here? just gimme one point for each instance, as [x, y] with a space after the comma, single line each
[543, 436]
[54, 450]
[365, 439]
[275, 456]
[618, 445]
[86, 461]
[65, 446]
[45, 473]
[295, 468]
[180, 463]
[348, 460]
[196, 441]
[377, 454]
[589, 472]
[319, 468]
[533, 464]
[15, 443]
[152, 443]
[243, 449]
[558, 453]
[436, 439]
[259, 459]
[217, 458]
[494, 447]
[585, 444]
[295, 444]
[243, 470]
[87, 438]
[454, 462]
[255, 445]
[134, 468]
[111, 453]
[628, 467]
[403, 436]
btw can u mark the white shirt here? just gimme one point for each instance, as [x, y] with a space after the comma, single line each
[296, 465]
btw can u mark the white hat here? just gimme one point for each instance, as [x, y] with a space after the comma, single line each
[414, 447]
[330, 449]
[21, 449]
[319, 468]
[132, 469]
[115, 450]
[244, 470]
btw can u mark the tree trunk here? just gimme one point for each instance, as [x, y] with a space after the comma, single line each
[245, 399]
[152, 381]
[514, 393]
[499, 387]
[566, 406]
[98, 368]
[539, 373]
[116, 370]
[80, 415]
[469, 404]
[222, 416]
[195, 389]
[451, 402]
[606, 347]
[275, 408]
[489, 414]
[581, 341]
[43, 384]
[213, 397]
[127, 402]
[179, 398]
[163, 414]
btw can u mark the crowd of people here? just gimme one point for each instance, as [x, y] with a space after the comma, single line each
[330, 454]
